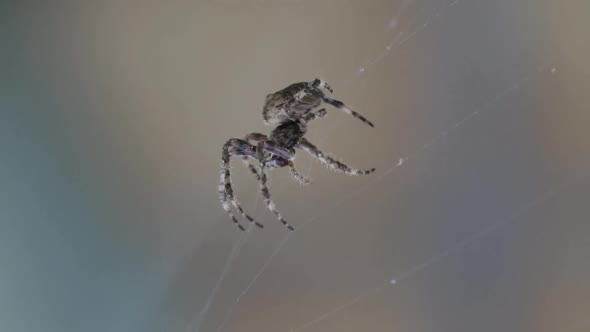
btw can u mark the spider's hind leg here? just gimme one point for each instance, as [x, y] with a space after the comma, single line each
[322, 84]
[340, 105]
[329, 161]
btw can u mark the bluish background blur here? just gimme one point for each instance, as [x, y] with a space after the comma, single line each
[112, 118]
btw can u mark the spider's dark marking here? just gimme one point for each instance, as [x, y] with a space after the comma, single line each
[291, 108]
[295, 101]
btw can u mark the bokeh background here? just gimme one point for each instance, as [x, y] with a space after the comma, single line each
[113, 114]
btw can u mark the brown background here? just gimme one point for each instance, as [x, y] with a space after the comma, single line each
[113, 118]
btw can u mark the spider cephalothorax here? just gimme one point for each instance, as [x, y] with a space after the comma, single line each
[277, 150]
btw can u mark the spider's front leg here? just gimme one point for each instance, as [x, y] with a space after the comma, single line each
[329, 161]
[233, 147]
[341, 106]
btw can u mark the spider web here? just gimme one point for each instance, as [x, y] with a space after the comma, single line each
[411, 19]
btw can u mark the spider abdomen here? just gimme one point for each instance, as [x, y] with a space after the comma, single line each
[290, 103]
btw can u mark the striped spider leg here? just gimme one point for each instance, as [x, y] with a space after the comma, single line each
[233, 147]
[329, 161]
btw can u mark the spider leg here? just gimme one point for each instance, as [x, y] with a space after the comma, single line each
[340, 105]
[322, 84]
[264, 187]
[314, 115]
[276, 149]
[329, 161]
[237, 147]
[300, 178]
[254, 137]
[251, 168]
[269, 146]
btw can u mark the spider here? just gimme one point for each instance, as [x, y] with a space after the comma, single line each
[291, 108]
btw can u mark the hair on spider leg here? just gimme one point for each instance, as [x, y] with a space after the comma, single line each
[291, 109]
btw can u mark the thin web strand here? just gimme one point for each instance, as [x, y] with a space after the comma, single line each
[401, 38]
[238, 244]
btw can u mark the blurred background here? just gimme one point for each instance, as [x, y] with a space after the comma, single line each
[112, 118]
